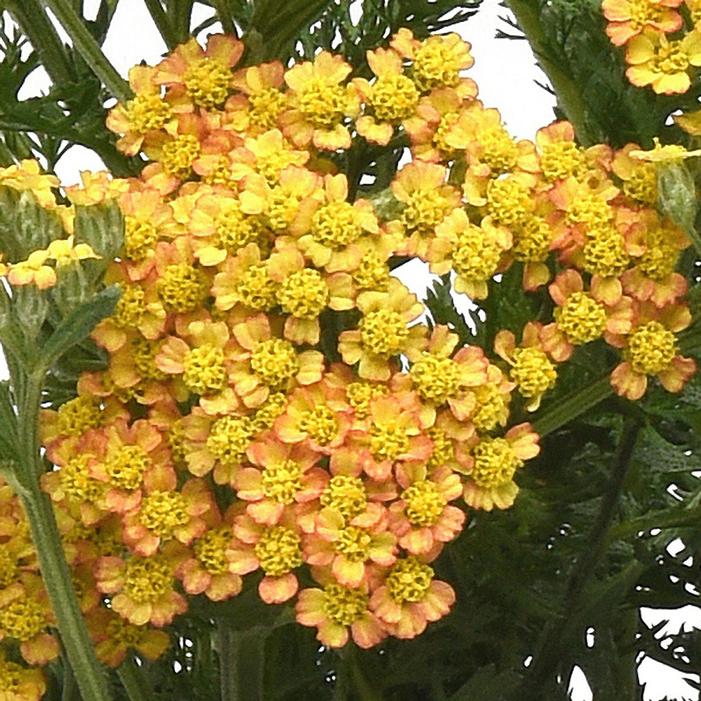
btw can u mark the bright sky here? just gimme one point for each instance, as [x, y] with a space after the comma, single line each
[505, 71]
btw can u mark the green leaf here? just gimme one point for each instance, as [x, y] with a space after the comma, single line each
[487, 683]
[78, 324]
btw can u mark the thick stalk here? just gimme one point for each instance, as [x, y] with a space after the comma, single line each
[89, 674]
[225, 16]
[569, 96]
[134, 682]
[70, 691]
[229, 651]
[181, 12]
[44, 39]
[359, 682]
[573, 405]
[548, 652]
[162, 22]
[88, 48]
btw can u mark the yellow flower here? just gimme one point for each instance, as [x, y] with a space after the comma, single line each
[28, 176]
[383, 332]
[427, 200]
[531, 369]
[33, 271]
[258, 109]
[628, 18]
[473, 252]
[664, 153]
[390, 99]
[321, 104]
[436, 61]
[144, 115]
[329, 230]
[66, 251]
[664, 65]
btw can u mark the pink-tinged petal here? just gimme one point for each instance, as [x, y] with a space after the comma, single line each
[249, 484]
[439, 598]
[277, 590]
[367, 632]
[627, 382]
[348, 573]
[171, 356]
[607, 290]
[332, 634]
[40, 650]
[196, 580]
[266, 512]
[385, 607]
[223, 587]
[676, 375]
[309, 608]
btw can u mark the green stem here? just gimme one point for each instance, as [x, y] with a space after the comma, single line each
[181, 11]
[573, 405]
[88, 48]
[134, 681]
[665, 518]
[225, 16]
[69, 692]
[548, 653]
[44, 39]
[569, 96]
[89, 674]
[160, 19]
[229, 652]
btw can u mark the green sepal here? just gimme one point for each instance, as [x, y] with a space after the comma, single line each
[102, 228]
[677, 197]
[25, 225]
[30, 306]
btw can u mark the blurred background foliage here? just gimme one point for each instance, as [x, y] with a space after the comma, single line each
[608, 520]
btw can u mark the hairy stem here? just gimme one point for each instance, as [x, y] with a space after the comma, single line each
[89, 674]
[44, 39]
[88, 48]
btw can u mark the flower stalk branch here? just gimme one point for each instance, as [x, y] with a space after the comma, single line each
[547, 654]
[89, 674]
[88, 48]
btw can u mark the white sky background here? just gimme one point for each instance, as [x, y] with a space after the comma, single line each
[505, 71]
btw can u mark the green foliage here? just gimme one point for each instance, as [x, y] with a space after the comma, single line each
[588, 542]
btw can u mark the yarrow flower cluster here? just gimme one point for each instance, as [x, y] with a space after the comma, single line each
[272, 401]
[662, 40]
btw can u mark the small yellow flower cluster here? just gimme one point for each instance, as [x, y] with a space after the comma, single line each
[653, 59]
[668, 64]
[41, 266]
[272, 400]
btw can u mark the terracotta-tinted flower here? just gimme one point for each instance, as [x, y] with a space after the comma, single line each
[410, 597]
[495, 461]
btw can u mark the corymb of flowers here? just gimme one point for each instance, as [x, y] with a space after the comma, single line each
[275, 403]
